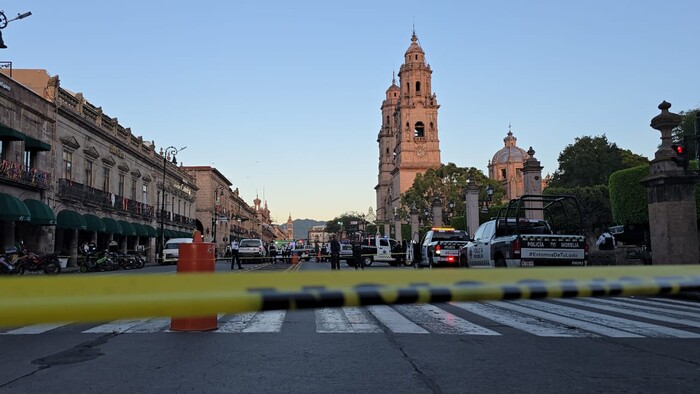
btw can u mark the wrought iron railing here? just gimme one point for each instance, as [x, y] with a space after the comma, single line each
[26, 175]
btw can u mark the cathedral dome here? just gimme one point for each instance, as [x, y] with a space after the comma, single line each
[510, 153]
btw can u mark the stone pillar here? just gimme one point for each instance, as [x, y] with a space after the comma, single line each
[437, 212]
[386, 229]
[472, 207]
[415, 231]
[397, 228]
[671, 198]
[532, 177]
[72, 246]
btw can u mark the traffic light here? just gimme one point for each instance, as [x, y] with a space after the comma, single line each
[681, 155]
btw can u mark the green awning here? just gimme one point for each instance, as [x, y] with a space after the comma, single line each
[13, 209]
[33, 144]
[41, 214]
[10, 134]
[151, 231]
[127, 228]
[70, 220]
[94, 223]
[168, 233]
[140, 230]
[112, 226]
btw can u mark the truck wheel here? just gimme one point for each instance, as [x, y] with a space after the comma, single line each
[367, 261]
[500, 262]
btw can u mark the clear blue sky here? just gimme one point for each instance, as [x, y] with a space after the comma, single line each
[284, 97]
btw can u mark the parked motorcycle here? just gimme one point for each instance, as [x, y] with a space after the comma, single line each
[6, 266]
[30, 261]
[98, 262]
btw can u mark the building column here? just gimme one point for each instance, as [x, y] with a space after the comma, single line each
[397, 228]
[532, 177]
[472, 207]
[72, 246]
[415, 231]
[437, 212]
[671, 198]
[386, 229]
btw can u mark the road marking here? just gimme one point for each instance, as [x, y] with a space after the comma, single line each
[236, 323]
[519, 321]
[665, 305]
[395, 321]
[679, 302]
[344, 320]
[644, 306]
[117, 326]
[583, 325]
[440, 321]
[660, 330]
[332, 320]
[637, 327]
[34, 329]
[267, 321]
[152, 325]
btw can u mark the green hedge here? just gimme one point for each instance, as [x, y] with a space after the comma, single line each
[628, 197]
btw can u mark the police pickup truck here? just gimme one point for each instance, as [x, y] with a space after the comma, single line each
[440, 247]
[514, 239]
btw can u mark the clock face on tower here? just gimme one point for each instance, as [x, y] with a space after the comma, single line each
[420, 152]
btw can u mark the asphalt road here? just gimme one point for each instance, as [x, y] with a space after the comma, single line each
[582, 345]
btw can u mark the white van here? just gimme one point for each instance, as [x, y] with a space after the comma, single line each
[171, 251]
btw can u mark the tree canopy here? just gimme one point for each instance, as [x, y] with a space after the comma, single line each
[448, 183]
[687, 129]
[589, 161]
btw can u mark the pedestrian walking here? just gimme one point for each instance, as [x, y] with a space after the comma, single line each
[335, 254]
[234, 255]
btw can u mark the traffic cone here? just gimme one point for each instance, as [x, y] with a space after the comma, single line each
[197, 256]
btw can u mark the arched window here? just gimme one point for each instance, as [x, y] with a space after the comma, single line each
[387, 120]
[408, 87]
[419, 130]
[431, 125]
[417, 86]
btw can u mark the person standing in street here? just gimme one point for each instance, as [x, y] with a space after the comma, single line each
[335, 254]
[357, 255]
[234, 255]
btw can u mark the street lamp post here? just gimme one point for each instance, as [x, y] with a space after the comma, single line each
[173, 151]
[4, 21]
[487, 201]
[219, 191]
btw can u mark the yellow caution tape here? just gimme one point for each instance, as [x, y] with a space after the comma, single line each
[83, 298]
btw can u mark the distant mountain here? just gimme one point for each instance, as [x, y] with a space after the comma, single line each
[302, 226]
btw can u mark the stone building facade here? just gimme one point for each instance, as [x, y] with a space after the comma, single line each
[408, 139]
[27, 148]
[107, 185]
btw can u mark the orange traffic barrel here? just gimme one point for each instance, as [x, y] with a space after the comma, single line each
[197, 256]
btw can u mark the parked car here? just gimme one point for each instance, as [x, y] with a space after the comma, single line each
[171, 250]
[252, 250]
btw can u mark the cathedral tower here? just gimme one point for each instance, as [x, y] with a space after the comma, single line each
[408, 139]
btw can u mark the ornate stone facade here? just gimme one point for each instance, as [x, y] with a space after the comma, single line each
[408, 139]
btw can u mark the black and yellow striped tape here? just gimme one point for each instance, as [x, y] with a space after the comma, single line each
[103, 298]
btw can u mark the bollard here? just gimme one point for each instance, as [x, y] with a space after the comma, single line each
[197, 256]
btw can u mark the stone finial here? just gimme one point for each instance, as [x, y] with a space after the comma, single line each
[531, 152]
[665, 122]
[666, 119]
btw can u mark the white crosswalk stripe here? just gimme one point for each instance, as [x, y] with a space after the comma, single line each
[624, 317]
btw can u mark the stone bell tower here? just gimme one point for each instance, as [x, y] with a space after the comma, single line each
[408, 140]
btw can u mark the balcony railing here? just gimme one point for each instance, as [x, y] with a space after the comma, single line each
[94, 197]
[26, 175]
